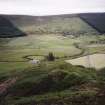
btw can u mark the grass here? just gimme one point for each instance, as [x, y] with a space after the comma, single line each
[50, 82]
[58, 25]
[42, 44]
[13, 50]
[65, 97]
[13, 66]
[36, 47]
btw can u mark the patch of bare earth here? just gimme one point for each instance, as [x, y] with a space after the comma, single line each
[7, 84]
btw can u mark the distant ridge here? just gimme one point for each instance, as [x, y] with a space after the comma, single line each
[75, 24]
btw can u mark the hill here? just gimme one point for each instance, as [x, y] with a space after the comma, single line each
[63, 24]
[96, 20]
[7, 29]
[74, 24]
[56, 83]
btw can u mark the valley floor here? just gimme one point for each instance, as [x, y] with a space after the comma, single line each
[15, 51]
[50, 83]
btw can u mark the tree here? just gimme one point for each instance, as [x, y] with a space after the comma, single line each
[50, 56]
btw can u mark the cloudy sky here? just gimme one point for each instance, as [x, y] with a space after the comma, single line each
[50, 7]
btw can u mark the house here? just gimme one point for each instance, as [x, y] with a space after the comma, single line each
[34, 61]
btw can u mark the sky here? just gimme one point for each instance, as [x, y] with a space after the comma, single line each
[50, 7]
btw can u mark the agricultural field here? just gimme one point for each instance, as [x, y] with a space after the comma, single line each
[96, 61]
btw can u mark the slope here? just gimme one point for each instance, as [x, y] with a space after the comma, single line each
[7, 29]
[62, 24]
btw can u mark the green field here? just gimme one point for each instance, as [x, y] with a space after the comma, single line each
[14, 50]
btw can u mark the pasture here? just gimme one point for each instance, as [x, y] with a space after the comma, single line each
[15, 51]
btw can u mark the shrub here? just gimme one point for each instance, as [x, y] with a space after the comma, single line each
[58, 75]
[72, 79]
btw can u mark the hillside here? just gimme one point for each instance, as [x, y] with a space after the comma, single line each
[62, 24]
[97, 21]
[75, 24]
[56, 83]
[7, 29]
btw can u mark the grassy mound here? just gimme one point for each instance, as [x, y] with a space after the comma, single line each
[51, 83]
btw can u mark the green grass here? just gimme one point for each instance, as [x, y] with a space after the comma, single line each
[59, 25]
[13, 66]
[42, 44]
[13, 50]
[47, 82]
[36, 46]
